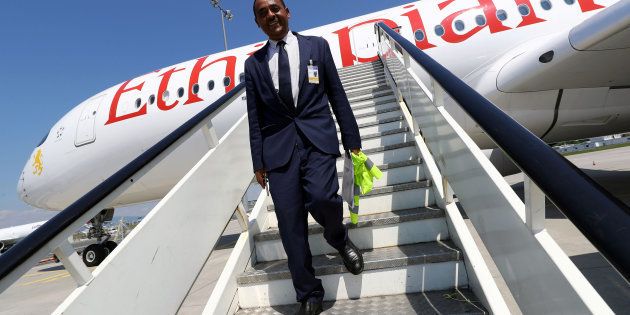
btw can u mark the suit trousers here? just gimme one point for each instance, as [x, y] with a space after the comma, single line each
[307, 183]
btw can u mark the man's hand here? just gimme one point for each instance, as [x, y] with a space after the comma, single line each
[356, 151]
[260, 178]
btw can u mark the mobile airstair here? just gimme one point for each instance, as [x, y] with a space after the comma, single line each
[420, 256]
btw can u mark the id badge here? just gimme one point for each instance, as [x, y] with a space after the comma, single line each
[313, 74]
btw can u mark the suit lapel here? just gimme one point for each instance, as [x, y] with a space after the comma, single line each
[263, 64]
[305, 53]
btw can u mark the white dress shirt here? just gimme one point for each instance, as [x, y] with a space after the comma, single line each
[293, 52]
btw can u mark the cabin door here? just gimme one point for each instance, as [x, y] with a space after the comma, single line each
[87, 120]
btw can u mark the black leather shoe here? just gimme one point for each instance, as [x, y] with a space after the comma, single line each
[310, 308]
[352, 258]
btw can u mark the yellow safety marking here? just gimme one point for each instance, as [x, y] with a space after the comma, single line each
[34, 274]
[53, 277]
[38, 164]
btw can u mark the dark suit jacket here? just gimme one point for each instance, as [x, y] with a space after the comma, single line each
[273, 125]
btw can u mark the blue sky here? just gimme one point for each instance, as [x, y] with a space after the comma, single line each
[53, 55]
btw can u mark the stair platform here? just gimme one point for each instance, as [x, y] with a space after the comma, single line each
[461, 301]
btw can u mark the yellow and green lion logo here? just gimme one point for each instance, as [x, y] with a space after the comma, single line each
[38, 164]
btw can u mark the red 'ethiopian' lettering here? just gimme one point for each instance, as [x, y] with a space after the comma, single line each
[230, 69]
[113, 116]
[347, 57]
[489, 11]
[589, 5]
[531, 18]
[166, 76]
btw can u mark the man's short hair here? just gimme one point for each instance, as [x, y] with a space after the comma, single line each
[254, 6]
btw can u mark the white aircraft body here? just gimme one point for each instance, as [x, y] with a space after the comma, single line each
[11, 235]
[556, 66]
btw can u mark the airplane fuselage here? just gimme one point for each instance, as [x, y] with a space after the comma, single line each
[469, 37]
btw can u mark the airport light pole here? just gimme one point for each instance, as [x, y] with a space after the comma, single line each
[225, 14]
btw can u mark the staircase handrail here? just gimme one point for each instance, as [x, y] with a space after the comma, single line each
[602, 218]
[35, 241]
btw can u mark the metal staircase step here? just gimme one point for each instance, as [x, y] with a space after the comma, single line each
[407, 172]
[360, 74]
[354, 99]
[366, 65]
[363, 79]
[386, 198]
[386, 138]
[374, 101]
[411, 268]
[389, 154]
[360, 69]
[371, 109]
[398, 173]
[387, 125]
[377, 115]
[382, 104]
[368, 91]
[459, 301]
[379, 80]
[372, 231]
[381, 125]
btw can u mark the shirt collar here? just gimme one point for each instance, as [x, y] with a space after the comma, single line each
[290, 38]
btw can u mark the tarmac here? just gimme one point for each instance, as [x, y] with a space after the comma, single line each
[44, 287]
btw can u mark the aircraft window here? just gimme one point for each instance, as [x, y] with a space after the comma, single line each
[419, 35]
[569, 2]
[523, 9]
[501, 15]
[481, 20]
[151, 99]
[226, 81]
[439, 30]
[210, 85]
[459, 25]
[195, 88]
[180, 92]
[138, 102]
[43, 139]
[545, 4]
[165, 95]
[241, 77]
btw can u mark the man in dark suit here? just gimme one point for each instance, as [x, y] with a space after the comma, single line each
[294, 144]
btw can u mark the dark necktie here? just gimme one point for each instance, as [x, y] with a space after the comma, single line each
[284, 75]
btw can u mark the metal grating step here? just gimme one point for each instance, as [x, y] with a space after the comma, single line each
[383, 133]
[386, 190]
[448, 302]
[354, 99]
[379, 219]
[379, 230]
[380, 122]
[390, 166]
[379, 80]
[379, 258]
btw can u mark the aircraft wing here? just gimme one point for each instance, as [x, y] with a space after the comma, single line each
[595, 53]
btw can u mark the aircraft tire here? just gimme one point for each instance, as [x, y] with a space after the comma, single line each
[93, 255]
[110, 246]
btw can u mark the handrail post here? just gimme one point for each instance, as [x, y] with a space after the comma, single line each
[447, 190]
[243, 218]
[438, 94]
[534, 206]
[73, 263]
[210, 134]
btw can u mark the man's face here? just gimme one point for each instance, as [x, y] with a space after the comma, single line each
[273, 18]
